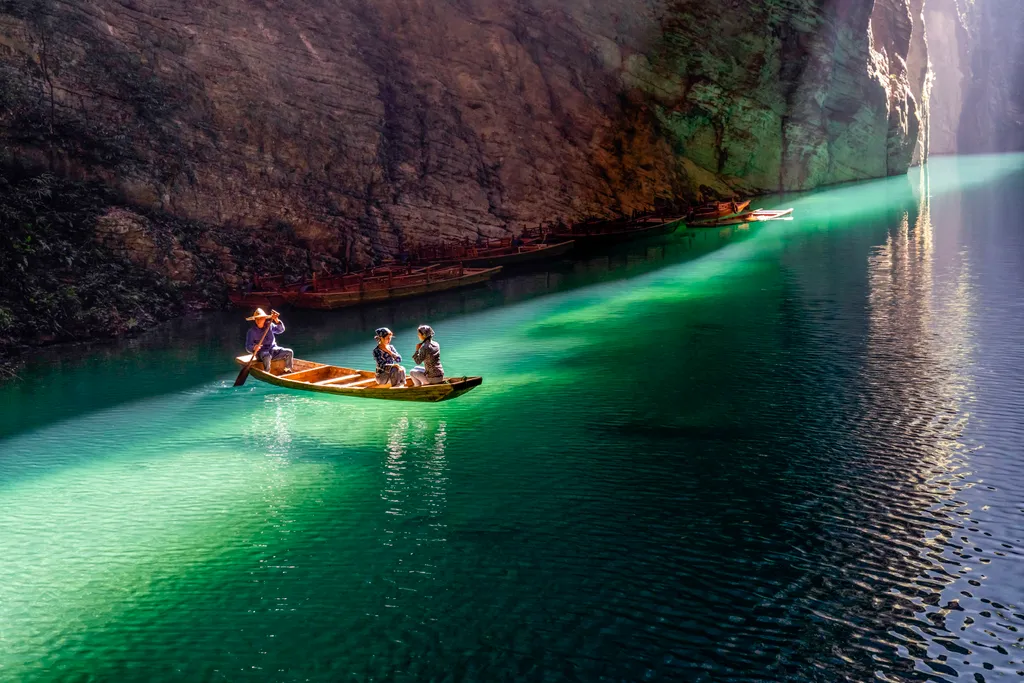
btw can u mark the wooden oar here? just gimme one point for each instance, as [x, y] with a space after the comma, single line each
[244, 373]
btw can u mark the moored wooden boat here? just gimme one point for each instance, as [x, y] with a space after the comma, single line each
[351, 290]
[587, 235]
[740, 218]
[269, 299]
[505, 255]
[715, 210]
[266, 292]
[331, 379]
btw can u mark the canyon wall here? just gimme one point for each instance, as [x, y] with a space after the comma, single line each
[157, 153]
[364, 127]
[992, 117]
[977, 55]
[948, 39]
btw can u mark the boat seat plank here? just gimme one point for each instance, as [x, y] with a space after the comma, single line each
[360, 383]
[335, 380]
[299, 374]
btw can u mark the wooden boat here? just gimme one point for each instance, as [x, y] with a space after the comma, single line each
[254, 299]
[360, 288]
[740, 218]
[266, 292]
[331, 379]
[502, 253]
[715, 210]
[590, 235]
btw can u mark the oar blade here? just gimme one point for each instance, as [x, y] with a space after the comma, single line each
[243, 375]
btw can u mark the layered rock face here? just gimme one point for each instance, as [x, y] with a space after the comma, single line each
[786, 95]
[948, 40]
[977, 52]
[367, 126]
[899, 45]
[992, 118]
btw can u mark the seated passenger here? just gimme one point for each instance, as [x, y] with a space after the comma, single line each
[267, 351]
[428, 353]
[388, 369]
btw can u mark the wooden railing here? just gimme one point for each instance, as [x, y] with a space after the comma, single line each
[388, 280]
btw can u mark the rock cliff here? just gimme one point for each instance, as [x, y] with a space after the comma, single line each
[948, 39]
[356, 128]
[992, 117]
[368, 125]
[977, 102]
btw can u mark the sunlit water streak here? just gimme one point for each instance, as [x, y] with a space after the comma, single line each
[788, 454]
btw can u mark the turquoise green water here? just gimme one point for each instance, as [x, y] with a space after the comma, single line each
[788, 453]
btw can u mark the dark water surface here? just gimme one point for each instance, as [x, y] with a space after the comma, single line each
[789, 453]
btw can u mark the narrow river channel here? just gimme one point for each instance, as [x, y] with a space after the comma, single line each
[794, 452]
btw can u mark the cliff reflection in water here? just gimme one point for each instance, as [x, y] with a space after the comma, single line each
[907, 525]
[917, 361]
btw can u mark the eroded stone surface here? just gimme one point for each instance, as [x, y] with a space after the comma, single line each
[133, 237]
[947, 37]
[992, 119]
[366, 127]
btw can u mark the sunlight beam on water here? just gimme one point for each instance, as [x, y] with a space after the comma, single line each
[81, 544]
[838, 208]
[106, 508]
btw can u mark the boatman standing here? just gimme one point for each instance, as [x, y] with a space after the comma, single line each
[268, 351]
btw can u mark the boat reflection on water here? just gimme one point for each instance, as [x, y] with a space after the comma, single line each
[414, 493]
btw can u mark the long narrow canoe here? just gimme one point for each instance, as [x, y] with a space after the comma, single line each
[508, 256]
[331, 379]
[268, 299]
[352, 290]
[718, 210]
[740, 218]
[266, 292]
[587, 237]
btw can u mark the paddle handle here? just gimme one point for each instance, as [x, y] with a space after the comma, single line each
[244, 372]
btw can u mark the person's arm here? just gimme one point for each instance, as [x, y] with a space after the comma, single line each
[277, 327]
[382, 358]
[397, 356]
[419, 354]
[250, 341]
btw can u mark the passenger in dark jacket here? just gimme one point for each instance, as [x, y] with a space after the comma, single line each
[389, 368]
[428, 354]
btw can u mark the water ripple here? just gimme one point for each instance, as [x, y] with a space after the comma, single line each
[796, 457]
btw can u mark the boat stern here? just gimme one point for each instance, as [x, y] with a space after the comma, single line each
[461, 385]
